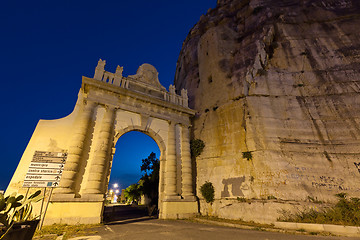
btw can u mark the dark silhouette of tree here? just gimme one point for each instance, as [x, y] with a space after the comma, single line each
[133, 193]
[150, 180]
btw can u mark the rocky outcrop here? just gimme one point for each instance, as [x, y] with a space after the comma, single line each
[276, 87]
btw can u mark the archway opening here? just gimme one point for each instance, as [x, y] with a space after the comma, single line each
[132, 171]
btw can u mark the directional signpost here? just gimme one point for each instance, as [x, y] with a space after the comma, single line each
[45, 169]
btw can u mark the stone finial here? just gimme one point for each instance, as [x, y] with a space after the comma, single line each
[184, 96]
[184, 93]
[172, 93]
[172, 89]
[118, 75]
[100, 69]
[119, 70]
[101, 63]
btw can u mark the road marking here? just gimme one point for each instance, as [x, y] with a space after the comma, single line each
[153, 224]
[86, 238]
[109, 229]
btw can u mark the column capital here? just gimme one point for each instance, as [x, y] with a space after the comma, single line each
[184, 125]
[108, 107]
[87, 102]
[171, 122]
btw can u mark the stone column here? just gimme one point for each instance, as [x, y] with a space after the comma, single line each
[170, 164]
[161, 179]
[97, 173]
[67, 183]
[186, 188]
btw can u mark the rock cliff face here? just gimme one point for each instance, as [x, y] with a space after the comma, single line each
[276, 87]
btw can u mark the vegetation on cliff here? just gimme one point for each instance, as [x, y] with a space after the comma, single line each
[208, 192]
[345, 212]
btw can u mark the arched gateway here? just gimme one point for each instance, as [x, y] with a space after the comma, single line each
[108, 106]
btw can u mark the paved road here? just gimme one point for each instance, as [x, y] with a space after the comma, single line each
[123, 212]
[137, 227]
[155, 229]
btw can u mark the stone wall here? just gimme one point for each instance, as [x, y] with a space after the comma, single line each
[276, 88]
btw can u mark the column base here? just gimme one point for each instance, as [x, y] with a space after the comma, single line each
[74, 213]
[63, 197]
[189, 198]
[180, 209]
[172, 198]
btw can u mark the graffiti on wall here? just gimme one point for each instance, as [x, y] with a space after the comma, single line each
[330, 183]
[357, 165]
[316, 181]
[233, 187]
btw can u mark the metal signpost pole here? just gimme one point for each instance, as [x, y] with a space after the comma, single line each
[47, 204]
[27, 192]
[41, 208]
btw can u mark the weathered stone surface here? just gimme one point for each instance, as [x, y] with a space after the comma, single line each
[279, 79]
[108, 106]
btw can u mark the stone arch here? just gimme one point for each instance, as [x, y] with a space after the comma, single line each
[103, 112]
[151, 133]
[160, 143]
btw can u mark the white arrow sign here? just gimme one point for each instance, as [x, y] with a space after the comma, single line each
[39, 177]
[47, 165]
[45, 169]
[40, 184]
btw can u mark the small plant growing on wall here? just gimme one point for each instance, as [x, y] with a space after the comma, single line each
[196, 147]
[208, 192]
[247, 155]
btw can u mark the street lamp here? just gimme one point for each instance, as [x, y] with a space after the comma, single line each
[115, 185]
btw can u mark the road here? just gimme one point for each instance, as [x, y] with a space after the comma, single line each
[137, 227]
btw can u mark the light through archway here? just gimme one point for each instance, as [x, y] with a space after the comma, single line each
[131, 148]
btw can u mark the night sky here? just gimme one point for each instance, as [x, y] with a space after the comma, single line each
[46, 46]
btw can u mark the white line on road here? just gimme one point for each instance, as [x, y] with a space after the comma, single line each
[87, 238]
[153, 224]
[108, 228]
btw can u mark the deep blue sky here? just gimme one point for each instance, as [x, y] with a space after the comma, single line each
[46, 46]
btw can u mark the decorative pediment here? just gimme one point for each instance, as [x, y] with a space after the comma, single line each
[145, 81]
[148, 74]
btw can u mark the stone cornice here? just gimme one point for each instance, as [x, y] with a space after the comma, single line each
[118, 95]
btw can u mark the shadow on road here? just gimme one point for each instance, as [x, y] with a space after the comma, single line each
[123, 214]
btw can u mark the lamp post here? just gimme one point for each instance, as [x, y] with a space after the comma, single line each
[116, 191]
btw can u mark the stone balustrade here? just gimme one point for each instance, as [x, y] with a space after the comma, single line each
[144, 81]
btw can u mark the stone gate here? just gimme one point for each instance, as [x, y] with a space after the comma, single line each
[108, 106]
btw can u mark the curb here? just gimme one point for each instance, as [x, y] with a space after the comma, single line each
[348, 231]
[235, 225]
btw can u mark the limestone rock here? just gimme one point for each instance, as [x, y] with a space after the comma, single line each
[279, 81]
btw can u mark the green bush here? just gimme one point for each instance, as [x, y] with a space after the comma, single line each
[242, 199]
[271, 197]
[208, 192]
[345, 212]
[196, 147]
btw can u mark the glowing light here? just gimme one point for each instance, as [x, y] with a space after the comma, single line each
[116, 185]
[117, 191]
